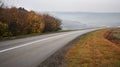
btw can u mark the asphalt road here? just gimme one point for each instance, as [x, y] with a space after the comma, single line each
[31, 51]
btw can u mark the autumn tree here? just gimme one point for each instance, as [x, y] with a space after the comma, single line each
[51, 23]
[35, 23]
[19, 21]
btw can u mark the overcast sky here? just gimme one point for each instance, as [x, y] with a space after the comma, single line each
[67, 5]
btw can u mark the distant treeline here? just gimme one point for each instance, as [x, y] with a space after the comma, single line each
[18, 21]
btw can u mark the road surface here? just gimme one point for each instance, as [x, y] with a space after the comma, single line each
[31, 51]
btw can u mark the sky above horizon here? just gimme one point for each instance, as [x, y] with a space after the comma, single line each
[67, 5]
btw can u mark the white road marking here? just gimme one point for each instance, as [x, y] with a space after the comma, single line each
[22, 45]
[59, 36]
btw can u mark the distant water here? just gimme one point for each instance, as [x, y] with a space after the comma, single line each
[88, 19]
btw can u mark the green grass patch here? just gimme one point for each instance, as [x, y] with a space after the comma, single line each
[116, 36]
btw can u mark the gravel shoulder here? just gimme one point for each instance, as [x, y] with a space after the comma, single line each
[58, 58]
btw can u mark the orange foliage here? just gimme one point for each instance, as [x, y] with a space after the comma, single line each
[21, 21]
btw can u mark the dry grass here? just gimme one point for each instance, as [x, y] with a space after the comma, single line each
[94, 50]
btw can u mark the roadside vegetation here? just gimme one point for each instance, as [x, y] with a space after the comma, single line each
[114, 35]
[96, 49]
[18, 21]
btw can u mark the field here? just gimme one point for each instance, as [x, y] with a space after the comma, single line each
[96, 49]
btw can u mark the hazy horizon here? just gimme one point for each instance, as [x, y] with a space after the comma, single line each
[81, 20]
[101, 6]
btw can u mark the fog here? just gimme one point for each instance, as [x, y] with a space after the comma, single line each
[67, 5]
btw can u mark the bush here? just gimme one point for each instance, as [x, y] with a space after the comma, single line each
[4, 30]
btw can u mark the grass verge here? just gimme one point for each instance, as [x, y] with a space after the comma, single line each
[30, 35]
[93, 50]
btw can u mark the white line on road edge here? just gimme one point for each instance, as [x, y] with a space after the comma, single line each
[59, 36]
[22, 45]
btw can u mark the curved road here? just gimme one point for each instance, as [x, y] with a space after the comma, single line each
[31, 51]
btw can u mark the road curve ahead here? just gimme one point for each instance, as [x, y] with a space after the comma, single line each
[31, 51]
